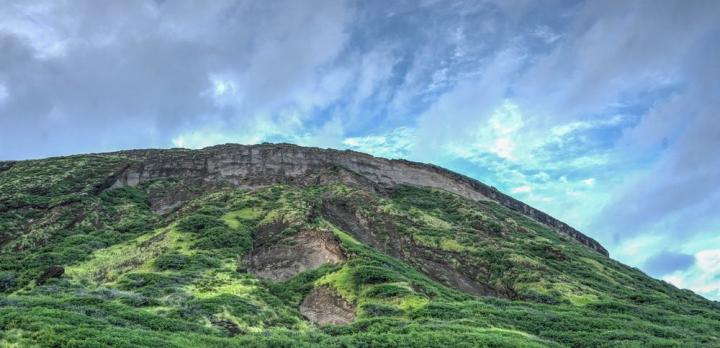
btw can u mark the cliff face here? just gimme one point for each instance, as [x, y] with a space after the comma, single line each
[266, 164]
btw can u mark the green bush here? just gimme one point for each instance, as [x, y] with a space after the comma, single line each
[125, 194]
[550, 298]
[387, 291]
[152, 284]
[372, 275]
[204, 260]
[7, 281]
[210, 210]
[222, 237]
[199, 223]
[171, 261]
[379, 310]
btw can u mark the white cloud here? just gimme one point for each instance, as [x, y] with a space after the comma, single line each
[35, 22]
[522, 189]
[546, 34]
[459, 118]
[703, 277]
[498, 134]
[709, 260]
[394, 144]
[567, 128]
[207, 137]
[541, 176]
[633, 251]
[3, 92]
[676, 280]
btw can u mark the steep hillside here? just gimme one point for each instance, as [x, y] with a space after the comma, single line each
[280, 245]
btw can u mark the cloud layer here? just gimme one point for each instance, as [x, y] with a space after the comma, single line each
[603, 114]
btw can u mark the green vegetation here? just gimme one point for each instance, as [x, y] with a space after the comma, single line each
[135, 278]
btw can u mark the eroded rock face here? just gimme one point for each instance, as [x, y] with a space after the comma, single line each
[383, 234]
[279, 260]
[267, 164]
[324, 306]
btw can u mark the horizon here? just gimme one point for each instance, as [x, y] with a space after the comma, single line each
[601, 114]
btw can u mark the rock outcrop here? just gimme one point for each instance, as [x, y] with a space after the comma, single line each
[281, 260]
[266, 164]
[324, 306]
[384, 234]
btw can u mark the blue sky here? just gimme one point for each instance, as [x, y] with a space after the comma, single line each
[602, 113]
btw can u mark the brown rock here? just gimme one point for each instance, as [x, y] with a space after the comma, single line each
[281, 260]
[324, 306]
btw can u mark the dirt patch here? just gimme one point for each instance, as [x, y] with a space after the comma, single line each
[324, 306]
[285, 258]
[269, 233]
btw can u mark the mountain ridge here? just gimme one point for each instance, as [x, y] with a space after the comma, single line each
[279, 245]
[292, 156]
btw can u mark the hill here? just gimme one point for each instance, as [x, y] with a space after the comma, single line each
[280, 245]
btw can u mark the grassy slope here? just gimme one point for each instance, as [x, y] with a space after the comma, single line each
[137, 279]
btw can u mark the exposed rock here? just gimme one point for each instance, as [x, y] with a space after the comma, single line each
[110, 181]
[171, 194]
[52, 272]
[383, 234]
[281, 260]
[324, 306]
[267, 164]
[269, 233]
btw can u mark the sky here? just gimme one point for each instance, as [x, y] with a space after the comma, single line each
[602, 113]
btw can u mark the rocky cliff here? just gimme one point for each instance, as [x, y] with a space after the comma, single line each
[261, 165]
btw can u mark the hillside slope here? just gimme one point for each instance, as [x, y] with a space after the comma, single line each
[280, 245]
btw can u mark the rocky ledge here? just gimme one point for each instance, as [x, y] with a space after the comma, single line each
[261, 165]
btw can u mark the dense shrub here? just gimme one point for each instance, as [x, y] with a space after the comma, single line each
[550, 298]
[203, 260]
[210, 210]
[442, 311]
[221, 237]
[372, 275]
[387, 291]
[379, 310]
[199, 223]
[7, 281]
[123, 195]
[171, 261]
[152, 284]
